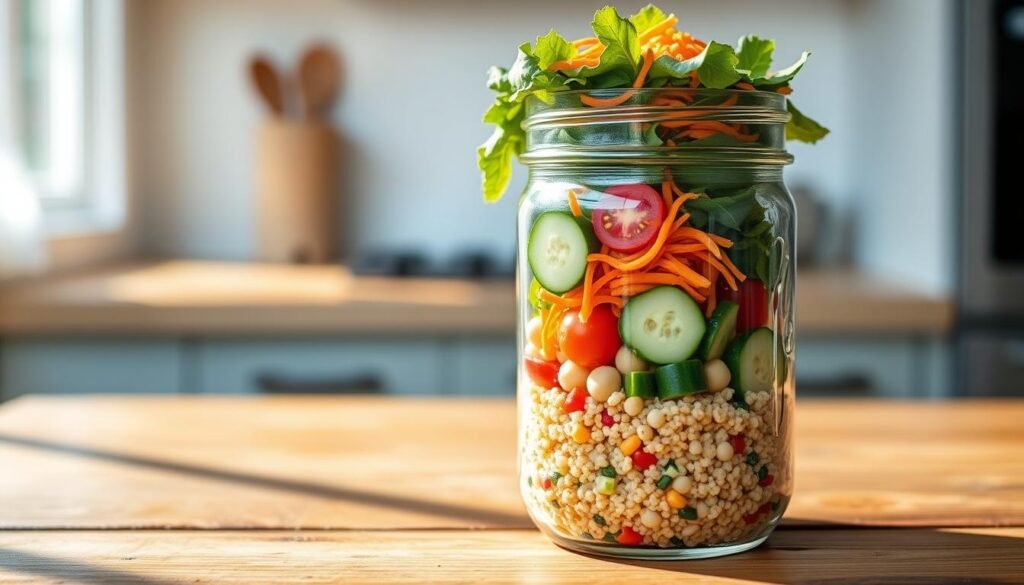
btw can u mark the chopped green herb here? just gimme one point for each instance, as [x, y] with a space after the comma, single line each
[608, 471]
[676, 541]
[599, 520]
[529, 481]
[753, 458]
[609, 537]
[663, 482]
[555, 476]
[775, 506]
[587, 535]
[762, 473]
[671, 469]
[688, 513]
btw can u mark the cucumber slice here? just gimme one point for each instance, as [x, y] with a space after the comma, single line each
[680, 379]
[749, 358]
[721, 329]
[640, 384]
[663, 325]
[557, 250]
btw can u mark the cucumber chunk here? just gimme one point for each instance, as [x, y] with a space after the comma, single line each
[749, 358]
[680, 379]
[663, 325]
[557, 250]
[640, 384]
[721, 329]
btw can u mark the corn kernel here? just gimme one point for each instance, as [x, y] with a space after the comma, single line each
[581, 434]
[630, 445]
[675, 499]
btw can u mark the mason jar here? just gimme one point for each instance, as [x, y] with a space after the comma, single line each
[655, 283]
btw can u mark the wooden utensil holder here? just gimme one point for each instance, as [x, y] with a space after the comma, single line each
[297, 187]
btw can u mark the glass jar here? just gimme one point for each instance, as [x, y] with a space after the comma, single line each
[655, 301]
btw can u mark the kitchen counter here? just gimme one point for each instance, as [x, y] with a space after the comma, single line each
[361, 490]
[213, 298]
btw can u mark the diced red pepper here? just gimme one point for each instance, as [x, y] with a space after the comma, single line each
[541, 372]
[575, 401]
[607, 419]
[739, 444]
[546, 483]
[642, 459]
[629, 537]
[767, 481]
[754, 516]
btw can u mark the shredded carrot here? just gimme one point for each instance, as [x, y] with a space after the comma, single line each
[744, 85]
[702, 237]
[712, 262]
[574, 204]
[732, 267]
[666, 189]
[729, 101]
[659, 28]
[586, 307]
[784, 90]
[685, 272]
[621, 99]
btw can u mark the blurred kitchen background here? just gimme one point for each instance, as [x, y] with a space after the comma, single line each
[147, 238]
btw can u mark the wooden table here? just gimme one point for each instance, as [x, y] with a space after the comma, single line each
[360, 490]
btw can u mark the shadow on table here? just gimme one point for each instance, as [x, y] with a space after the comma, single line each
[843, 554]
[479, 515]
[68, 570]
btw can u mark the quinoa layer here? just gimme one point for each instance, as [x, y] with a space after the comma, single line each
[728, 496]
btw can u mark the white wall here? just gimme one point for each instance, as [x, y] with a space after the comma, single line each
[415, 91]
[410, 109]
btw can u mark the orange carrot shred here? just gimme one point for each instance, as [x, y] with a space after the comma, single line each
[574, 204]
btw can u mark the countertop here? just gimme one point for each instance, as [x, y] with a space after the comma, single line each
[360, 490]
[215, 298]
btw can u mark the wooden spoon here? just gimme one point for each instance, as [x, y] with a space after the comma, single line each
[319, 79]
[267, 83]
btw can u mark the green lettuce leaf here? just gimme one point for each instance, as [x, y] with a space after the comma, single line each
[783, 76]
[494, 157]
[718, 67]
[621, 46]
[729, 211]
[803, 128]
[667, 67]
[755, 55]
[648, 16]
[553, 48]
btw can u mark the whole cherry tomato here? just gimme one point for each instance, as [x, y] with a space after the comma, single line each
[593, 343]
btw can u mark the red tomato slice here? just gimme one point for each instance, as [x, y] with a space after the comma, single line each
[752, 298]
[628, 221]
[593, 343]
[542, 373]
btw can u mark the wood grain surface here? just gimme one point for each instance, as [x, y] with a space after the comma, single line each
[184, 297]
[518, 556]
[388, 463]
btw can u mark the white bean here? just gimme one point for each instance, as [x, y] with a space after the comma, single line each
[633, 405]
[626, 361]
[602, 381]
[717, 374]
[724, 451]
[533, 327]
[572, 375]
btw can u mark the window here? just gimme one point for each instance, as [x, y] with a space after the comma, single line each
[64, 105]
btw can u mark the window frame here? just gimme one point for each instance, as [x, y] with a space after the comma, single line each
[100, 204]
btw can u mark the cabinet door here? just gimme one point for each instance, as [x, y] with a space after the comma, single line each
[321, 365]
[87, 365]
[484, 366]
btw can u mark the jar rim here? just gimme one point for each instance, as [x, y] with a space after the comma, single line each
[549, 116]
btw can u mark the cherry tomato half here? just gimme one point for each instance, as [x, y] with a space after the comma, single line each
[752, 298]
[575, 401]
[593, 343]
[541, 372]
[629, 220]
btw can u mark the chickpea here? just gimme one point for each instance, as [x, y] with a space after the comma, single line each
[717, 374]
[650, 518]
[682, 484]
[656, 418]
[533, 331]
[626, 361]
[572, 375]
[633, 406]
[645, 433]
[602, 381]
[532, 351]
[724, 451]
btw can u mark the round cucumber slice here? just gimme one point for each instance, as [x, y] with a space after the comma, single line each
[680, 379]
[663, 325]
[749, 358]
[640, 384]
[721, 329]
[557, 250]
